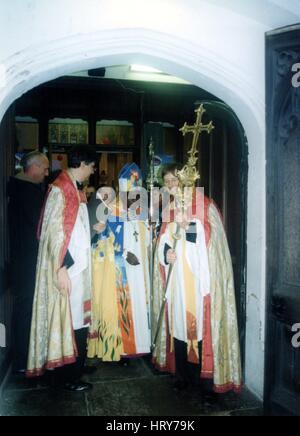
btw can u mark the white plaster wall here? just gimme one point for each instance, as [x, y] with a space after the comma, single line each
[217, 45]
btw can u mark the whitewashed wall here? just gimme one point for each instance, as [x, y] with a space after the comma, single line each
[217, 45]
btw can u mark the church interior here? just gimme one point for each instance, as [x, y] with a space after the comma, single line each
[118, 118]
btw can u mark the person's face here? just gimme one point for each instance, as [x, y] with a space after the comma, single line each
[41, 170]
[171, 182]
[87, 170]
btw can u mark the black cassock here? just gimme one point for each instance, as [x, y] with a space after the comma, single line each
[24, 208]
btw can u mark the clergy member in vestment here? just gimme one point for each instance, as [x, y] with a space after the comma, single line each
[198, 334]
[62, 302]
[26, 193]
[121, 278]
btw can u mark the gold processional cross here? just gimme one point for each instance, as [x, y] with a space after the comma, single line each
[187, 178]
[189, 174]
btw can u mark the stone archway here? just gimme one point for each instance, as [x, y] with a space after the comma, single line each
[200, 66]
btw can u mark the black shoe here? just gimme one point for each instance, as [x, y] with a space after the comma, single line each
[124, 361]
[180, 385]
[21, 372]
[88, 370]
[78, 386]
[210, 397]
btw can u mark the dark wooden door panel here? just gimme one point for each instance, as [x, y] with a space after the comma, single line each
[6, 169]
[282, 390]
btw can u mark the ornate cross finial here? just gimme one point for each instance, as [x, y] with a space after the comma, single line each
[189, 174]
[151, 180]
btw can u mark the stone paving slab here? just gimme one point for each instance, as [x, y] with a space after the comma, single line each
[122, 390]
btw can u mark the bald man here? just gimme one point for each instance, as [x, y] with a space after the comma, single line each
[26, 193]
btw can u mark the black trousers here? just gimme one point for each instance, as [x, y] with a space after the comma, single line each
[185, 371]
[22, 313]
[72, 373]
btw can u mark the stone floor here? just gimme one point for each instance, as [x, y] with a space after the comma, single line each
[134, 390]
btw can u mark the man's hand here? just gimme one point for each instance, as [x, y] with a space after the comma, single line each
[132, 259]
[171, 257]
[99, 227]
[64, 282]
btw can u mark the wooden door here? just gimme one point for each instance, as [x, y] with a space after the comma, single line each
[282, 389]
[7, 141]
